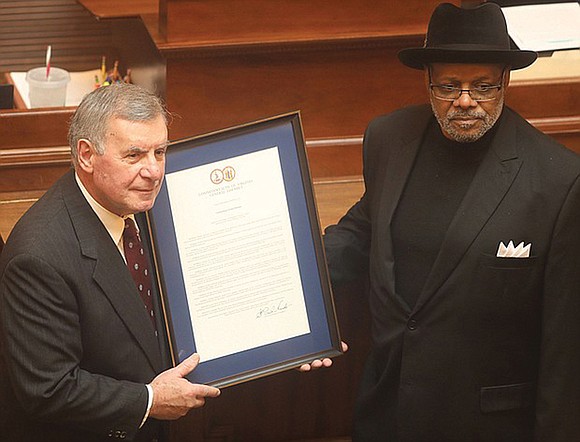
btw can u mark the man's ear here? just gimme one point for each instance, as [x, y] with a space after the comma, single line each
[506, 79]
[86, 155]
[426, 75]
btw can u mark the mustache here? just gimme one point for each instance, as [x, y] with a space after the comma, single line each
[469, 113]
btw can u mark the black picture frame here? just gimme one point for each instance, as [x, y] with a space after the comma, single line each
[323, 339]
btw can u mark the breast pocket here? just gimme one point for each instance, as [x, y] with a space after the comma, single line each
[510, 283]
[494, 262]
[507, 397]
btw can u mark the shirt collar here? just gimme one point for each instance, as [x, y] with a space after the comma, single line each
[114, 223]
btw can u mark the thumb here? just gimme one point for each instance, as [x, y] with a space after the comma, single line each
[187, 365]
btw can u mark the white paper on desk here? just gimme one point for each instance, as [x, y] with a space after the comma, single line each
[237, 254]
[546, 27]
[80, 84]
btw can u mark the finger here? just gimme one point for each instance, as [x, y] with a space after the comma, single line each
[305, 367]
[206, 391]
[344, 346]
[316, 364]
[187, 365]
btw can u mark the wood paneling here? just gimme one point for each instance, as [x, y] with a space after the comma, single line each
[335, 196]
[34, 128]
[12, 207]
[231, 62]
[337, 89]
[116, 9]
[233, 22]
[546, 98]
[33, 148]
[565, 130]
[334, 159]
[28, 26]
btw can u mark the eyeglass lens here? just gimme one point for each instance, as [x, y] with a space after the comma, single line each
[478, 94]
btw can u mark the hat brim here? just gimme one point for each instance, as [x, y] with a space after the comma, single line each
[417, 58]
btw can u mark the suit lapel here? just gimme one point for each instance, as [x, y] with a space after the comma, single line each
[399, 164]
[110, 272]
[493, 179]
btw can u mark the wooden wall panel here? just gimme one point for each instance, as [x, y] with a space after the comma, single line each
[337, 89]
[34, 128]
[33, 148]
[105, 9]
[226, 22]
[12, 207]
[546, 98]
[28, 26]
[565, 130]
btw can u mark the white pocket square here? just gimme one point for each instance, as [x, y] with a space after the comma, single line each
[511, 251]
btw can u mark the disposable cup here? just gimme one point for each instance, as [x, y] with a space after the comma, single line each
[46, 91]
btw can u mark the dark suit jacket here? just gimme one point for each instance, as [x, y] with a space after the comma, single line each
[78, 346]
[491, 350]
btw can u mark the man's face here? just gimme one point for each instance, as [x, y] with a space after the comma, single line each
[464, 119]
[127, 177]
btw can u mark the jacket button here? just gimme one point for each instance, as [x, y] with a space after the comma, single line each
[412, 324]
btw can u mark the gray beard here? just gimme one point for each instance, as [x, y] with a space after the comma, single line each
[488, 120]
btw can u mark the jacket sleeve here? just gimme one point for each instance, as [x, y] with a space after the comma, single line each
[40, 326]
[347, 244]
[558, 396]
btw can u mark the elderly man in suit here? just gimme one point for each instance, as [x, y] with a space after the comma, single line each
[469, 233]
[85, 356]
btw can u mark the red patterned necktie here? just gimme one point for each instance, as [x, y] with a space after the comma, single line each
[138, 266]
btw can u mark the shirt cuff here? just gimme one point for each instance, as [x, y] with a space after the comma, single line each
[149, 404]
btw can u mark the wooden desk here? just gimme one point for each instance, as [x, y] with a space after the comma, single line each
[33, 148]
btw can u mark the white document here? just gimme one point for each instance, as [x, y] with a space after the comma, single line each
[546, 27]
[237, 254]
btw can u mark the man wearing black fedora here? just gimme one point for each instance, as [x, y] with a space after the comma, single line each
[469, 234]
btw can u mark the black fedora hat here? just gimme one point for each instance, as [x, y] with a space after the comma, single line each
[474, 35]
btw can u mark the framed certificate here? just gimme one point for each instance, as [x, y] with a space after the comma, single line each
[239, 254]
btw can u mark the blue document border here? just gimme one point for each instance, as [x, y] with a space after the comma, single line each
[284, 131]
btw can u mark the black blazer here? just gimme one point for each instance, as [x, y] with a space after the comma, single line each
[78, 346]
[491, 350]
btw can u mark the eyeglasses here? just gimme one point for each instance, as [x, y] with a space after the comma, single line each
[479, 93]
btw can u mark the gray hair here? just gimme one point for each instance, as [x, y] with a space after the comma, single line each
[119, 100]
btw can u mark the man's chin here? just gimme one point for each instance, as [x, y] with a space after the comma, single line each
[143, 206]
[464, 136]
[146, 200]
[147, 207]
